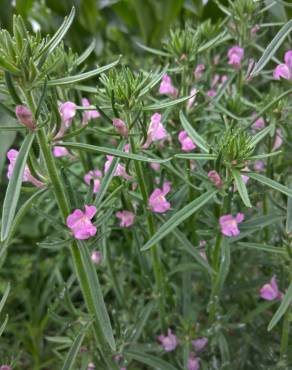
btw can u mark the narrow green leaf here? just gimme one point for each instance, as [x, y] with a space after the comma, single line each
[74, 350]
[219, 39]
[8, 66]
[3, 326]
[272, 48]
[284, 306]
[11, 88]
[289, 216]
[12, 128]
[154, 362]
[260, 135]
[197, 139]
[263, 247]
[4, 297]
[153, 51]
[271, 183]
[224, 267]
[141, 322]
[82, 76]
[241, 187]
[196, 156]
[179, 217]
[166, 103]
[153, 82]
[263, 156]
[14, 186]
[86, 53]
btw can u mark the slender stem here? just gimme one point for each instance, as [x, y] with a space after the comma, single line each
[285, 336]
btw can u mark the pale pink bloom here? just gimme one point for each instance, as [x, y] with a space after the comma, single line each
[120, 170]
[166, 87]
[155, 166]
[27, 176]
[211, 93]
[278, 139]
[202, 243]
[199, 343]
[156, 130]
[123, 368]
[191, 101]
[88, 114]
[96, 257]
[284, 70]
[24, 116]
[90, 366]
[216, 59]
[157, 201]
[169, 341]
[67, 112]
[186, 142]
[80, 222]
[95, 176]
[224, 78]
[193, 362]
[127, 148]
[270, 291]
[259, 124]
[60, 151]
[259, 165]
[203, 255]
[255, 28]
[215, 80]
[121, 127]
[215, 179]
[199, 71]
[235, 55]
[229, 224]
[127, 218]
[5, 367]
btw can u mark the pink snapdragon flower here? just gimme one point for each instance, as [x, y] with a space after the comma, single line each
[200, 68]
[278, 139]
[270, 291]
[88, 114]
[200, 343]
[229, 224]
[120, 170]
[127, 218]
[191, 101]
[156, 130]
[187, 144]
[157, 201]
[193, 362]
[27, 176]
[284, 70]
[96, 257]
[215, 179]
[67, 112]
[96, 176]
[169, 341]
[60, 151]
[166, 87]
[121, 127]
[80, 222]
[25, 116]
[235, 55]
[211, 93]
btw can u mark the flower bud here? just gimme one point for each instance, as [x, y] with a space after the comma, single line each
[24, 116]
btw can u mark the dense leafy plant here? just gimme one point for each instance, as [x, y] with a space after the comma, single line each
[147, 219]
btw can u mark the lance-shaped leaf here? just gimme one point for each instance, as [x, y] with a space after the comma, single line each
[260, 135]
[263, 247]
[271, 183]
[14, 186]
[197, 139]
[153, 51]
[86, 53]
[153, 362]
[153, 82]
[167, 103]
[4, 297]
[74, 350]
[179, 217]
[241, 187]
[197, 156]
[289, 216]
[284, 306]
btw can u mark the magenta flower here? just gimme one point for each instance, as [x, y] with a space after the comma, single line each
[80, 223]
[235, 55]
[157, 201]
[120, 170]
[284, 70]
[96, 257]
[199, 71]
[270, 291]
[121, 127]
[215, 179]
[24, 116]
[127, 218]
[169, 341]
[278, 139]
[211, 93]
[95, 176]
[88, 114]
[193, 362]
[199, 343]
[60, 151]
[156, 130]
[259, 124]
[229, 224]
[67, 112]
[166, 87]
[187, 144]
[191, 101]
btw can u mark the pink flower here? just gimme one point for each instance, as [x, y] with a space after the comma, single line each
[191, 101]
[259, 165]
[88, 114]
[24, 116]
[168, 342]
[284, 70]
[187, 144]
[215, 179]
[229, 224]
[215, 80]
[211, 93]
[96, 257]
[91, 366]
[255, 28]
[157, 201]
[5, 367]
[278, 139]
[127, 218]
[60, 151]
[199, 71]
[259, 124]
[121, 127]
[80, 223]
[193, 362]
[235, 54]
[199, 343]
[155, 166]
[127, 148]
[166, 87]
[27, 176]
[270, 291]
[67, 112]
[156, 130]
[120, 170]
[96, 176]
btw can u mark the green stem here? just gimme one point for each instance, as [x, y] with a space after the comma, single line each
[285, 336]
